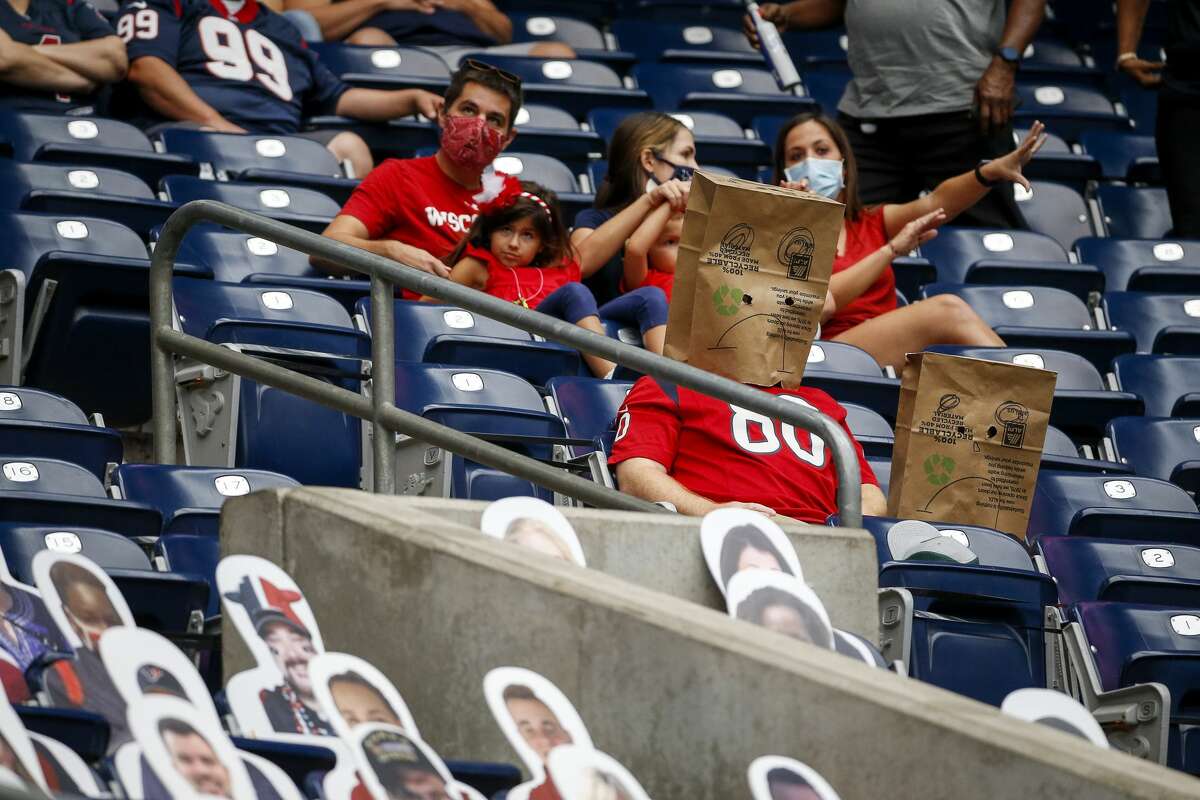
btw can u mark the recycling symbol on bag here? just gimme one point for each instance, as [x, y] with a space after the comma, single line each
[726, 300]
[938, 469]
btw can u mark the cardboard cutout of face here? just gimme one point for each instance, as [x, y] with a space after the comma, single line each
[535, 716]
[187, 751]
[269, 782]
[71, 773]
[141, 663]
[26, 628]
[581, 773]
[352, 692]
[17, 755]
[781, 603]
[734, 539]
[395, 766]
[81, 599]
[533, 524]
[780, 778]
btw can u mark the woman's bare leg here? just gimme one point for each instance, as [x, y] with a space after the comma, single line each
[655, 339]
[942, 319]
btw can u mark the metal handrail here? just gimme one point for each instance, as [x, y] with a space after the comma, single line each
[381, 411]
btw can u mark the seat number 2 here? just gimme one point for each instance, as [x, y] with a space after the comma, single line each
[767, 440]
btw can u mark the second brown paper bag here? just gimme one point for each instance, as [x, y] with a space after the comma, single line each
[750, 280]
[969, 437]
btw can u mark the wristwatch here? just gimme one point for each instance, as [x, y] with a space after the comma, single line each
[1009, 55]
[979, 174]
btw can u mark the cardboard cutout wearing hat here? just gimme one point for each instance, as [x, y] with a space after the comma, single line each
[84, 603]
[142, 662]
[781, 778]
[536, 718]
[395, 764]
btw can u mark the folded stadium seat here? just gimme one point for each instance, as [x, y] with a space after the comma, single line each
[1083, 403]
[160, 601]
[851, 375]
[718, 13]
[826, 87]
[553, 132]
[483, 402]
[551, 173]
[289, 160]
[1144, 264]
[1043, 318]
[1056, 161]
[870, 429]
[190, 498]
[1123, 156]
[193, 554]
[236, 257]
[384, 67]
[584, 37]
[43, 424]
[575, 86]
[720, 138]
[588, 407]
[1134, 212]
[1067, 110]
[1137, 644]
[978, 627]
[741, 93]
[1161, 323]
[83, 191]
[1050, 60]
[85, 733]
[90, 141]
[1056, 210]
[1159, 447]
[998, 258]
[305, 208]
[692, 41]
[1123, 572]
[1060, 453]
[818, 49]
[440, 334]
[267, 428]
[1112, 507]
[1168, 385]
[397, 138]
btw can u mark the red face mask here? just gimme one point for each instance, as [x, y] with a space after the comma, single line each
[470, 142]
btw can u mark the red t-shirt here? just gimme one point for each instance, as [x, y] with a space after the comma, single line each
[654, 277]
[532, 283]
[728, 454]
[863, 237]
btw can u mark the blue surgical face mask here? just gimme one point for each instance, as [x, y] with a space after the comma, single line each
[824, 175]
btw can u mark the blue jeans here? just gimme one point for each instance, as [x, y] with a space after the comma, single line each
[646, 307]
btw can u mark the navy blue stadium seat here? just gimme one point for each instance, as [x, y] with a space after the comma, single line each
[1112, 507]
[91, 141]
[1161, 323]
[722, 13]
[870, 429]
[825, 87]
[588, 407]
[84, 732]
[817, 49]
[1056, 161]
[1141, 104]
[1123, 156]
[1134, 212]
[851, 375]
[1056, 210]
[584, 37]
[193, 554]
[83, 191]
[1043, 318]
[26, 473]
[305, 208]
[685, 41]
[741, 93]
[288, 160]
[554, 132]
[549, 172]
[385, 67]
[189, 498]
[1067, 110]
[1082, 400]
[576, 86]
[1143, 265]
[978, 628]
[719, 138]
[1055, 61]
[1168, 385]
[38, 423]
[1122, 572]
[998, 258]
[1159, 447]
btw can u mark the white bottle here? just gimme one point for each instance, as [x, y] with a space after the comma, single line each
[773, 50]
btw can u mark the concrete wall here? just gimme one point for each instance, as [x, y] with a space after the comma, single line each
[682, 695]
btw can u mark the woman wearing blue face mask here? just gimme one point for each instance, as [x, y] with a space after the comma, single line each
[813, 153]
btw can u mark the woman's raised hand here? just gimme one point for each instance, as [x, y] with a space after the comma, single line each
[673, 192]
[1008, 167]
[800, 185]
[917, 232]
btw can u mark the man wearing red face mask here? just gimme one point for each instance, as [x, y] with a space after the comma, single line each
[415, 210]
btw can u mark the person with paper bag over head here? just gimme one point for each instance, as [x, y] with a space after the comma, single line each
[750, 285]
[969, 437]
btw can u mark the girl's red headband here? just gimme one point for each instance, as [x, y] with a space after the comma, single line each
[500, 190]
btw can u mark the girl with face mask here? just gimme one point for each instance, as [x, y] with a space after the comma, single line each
[813, 154]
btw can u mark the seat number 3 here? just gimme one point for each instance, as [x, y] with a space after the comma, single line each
[744, 421]
[237, 58]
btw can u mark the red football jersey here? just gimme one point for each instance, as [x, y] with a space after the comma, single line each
[863, 237]
[533, 284]
[728, 454]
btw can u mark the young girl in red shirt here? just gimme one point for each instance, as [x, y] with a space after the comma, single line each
[518, 250]
[651, 251]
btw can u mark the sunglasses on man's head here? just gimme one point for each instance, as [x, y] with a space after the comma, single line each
[504, 74]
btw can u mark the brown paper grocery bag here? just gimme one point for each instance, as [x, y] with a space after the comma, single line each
[969, 436]
[750, 279]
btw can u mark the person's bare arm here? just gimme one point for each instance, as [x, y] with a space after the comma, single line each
[99, 60]
[640, 244]
[486, 16]
[797, 15]
[469, 272]
[341, 18]
[847, 285]
[22, 65]
[165, 91]
[874, 502]
[996, 89]
[647, 479]
[380, 105]
[350, 230]
[595, 246]
[1131, 17]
